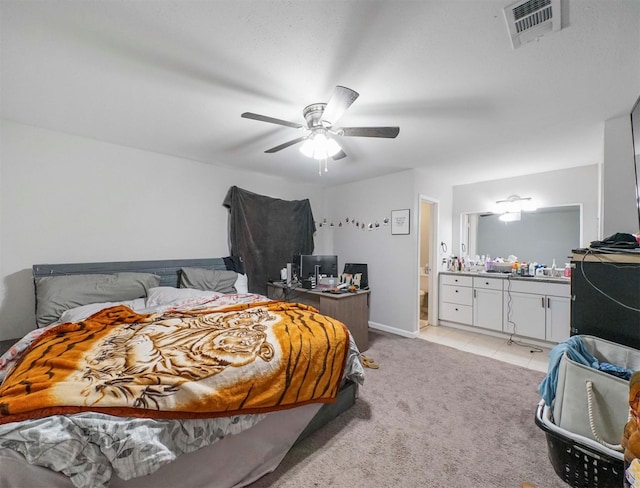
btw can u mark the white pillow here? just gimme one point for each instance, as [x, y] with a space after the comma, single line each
[168, 295]
[80, 313]
[242, 284]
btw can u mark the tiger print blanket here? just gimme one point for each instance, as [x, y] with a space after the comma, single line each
[246, 358]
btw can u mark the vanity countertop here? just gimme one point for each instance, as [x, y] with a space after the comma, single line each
[511, 276]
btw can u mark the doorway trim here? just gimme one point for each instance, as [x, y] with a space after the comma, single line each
[432, 303]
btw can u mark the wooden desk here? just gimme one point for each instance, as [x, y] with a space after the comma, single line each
[352, 309]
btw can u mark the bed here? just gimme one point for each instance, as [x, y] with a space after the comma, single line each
[165, 373]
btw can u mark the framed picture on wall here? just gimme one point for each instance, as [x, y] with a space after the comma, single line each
[400, 222]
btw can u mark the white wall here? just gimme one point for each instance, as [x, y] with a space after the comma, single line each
[619, 210]
[69, 199]
[393, 260]
[578, 185]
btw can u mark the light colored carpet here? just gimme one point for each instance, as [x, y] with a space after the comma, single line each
[431, 416]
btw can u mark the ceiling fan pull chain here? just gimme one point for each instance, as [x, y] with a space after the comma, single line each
[323, 163]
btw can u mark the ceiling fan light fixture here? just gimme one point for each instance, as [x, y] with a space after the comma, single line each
[307, 148]
[331, 147]
[320, 147]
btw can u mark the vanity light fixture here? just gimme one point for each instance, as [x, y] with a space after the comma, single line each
[516, 204]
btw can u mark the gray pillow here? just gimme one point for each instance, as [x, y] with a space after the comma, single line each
[55, 294]
[221, 281]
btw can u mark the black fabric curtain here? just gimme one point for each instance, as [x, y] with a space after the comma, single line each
[266, 233]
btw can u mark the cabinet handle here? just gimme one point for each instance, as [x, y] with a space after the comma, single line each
[548, 302]
[486, 283]
[474, 293]
[456, 291]
[542, 302]
[456, 309]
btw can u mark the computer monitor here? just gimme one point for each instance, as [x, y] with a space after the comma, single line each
[328, 265]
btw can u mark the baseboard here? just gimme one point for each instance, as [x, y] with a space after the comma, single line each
[497, 333]
[394, 330]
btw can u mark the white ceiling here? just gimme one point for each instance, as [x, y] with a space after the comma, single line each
[174, 76]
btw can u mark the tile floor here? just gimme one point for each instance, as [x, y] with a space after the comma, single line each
[495, 347]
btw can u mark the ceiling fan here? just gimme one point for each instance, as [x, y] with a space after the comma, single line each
[319, 140]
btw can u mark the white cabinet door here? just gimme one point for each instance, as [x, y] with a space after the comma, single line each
[487, 308]
[558, 319]
[524, 314]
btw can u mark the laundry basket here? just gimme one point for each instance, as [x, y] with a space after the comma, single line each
[588, 400]
[579, 461]
[584, 422]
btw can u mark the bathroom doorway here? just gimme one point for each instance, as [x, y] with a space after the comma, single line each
[427, 233]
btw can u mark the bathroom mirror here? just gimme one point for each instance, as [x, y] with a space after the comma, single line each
[541, 236]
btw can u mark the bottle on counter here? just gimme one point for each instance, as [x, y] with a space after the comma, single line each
[567, 270]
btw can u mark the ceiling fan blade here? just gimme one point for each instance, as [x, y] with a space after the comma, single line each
[389, 132]
[271, 120]
[286, 144]
[339, 102]
[341, 154]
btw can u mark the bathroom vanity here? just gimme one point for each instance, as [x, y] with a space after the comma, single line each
[500, 303]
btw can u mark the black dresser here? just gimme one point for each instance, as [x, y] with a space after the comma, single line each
[605, 294]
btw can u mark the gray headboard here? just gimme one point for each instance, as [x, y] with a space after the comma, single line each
[168, 270]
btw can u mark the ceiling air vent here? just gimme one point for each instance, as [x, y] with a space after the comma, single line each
[531, 19]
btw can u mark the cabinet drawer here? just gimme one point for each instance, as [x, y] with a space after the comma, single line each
[488, 283]
[456, 313]
[447, 279]
[460, 295]
[540, 288]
